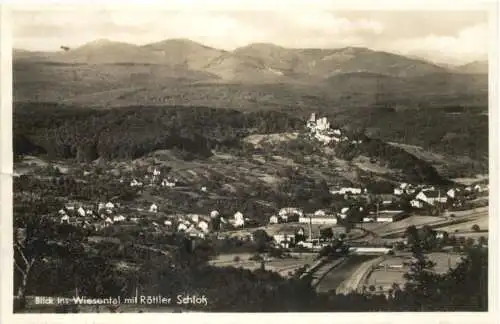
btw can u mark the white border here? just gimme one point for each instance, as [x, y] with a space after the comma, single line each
[6, 270]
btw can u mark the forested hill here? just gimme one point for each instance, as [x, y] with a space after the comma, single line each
[132, 132]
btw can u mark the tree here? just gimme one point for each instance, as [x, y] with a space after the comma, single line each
[412, 236]
[36, 238]
[326, 233]
[261, 239]
[475, 228]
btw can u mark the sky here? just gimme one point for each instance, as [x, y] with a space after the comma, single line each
[453, 37]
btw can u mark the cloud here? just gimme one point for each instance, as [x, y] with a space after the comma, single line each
[468, 44]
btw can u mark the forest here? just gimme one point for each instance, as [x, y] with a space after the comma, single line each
[84, 135]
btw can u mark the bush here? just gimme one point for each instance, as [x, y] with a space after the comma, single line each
[475, 228]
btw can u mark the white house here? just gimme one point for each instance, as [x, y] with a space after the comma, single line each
[451, 193]
[324, 220]
[81, 211]
[214, 214]
[62, 212]
[204, 189]
[203, 225]
[110, 205]
[290, 211]
[398, 191]
[182, 227]
[119, 218]
[65, 219]
[284, 239]
[167, 222]
[168, 184]
[108, 220]
[153, 208]
[195, 218]
[134, 183]
[384, 219]
[273, 219]
[156, 172]
[319, 212]
[239, 220]
[89, 212]
[415, 203]
[346, 190]
[432, 197]
[101, 206]
[480, 188]
[70, 207]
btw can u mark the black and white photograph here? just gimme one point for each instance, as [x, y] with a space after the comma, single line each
[249, 161]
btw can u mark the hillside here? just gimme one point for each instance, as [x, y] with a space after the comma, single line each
[200, 133]
[260, 75]
[476, 67]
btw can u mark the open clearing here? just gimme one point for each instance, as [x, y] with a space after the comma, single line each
[385, 278]
[281, 265]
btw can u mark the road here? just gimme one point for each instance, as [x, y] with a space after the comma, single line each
[353, 282]
[334, 277]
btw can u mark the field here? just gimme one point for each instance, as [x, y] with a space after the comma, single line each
[381, 277]
[281, 265]
[401, 225]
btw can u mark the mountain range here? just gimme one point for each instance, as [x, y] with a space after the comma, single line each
[180, 71]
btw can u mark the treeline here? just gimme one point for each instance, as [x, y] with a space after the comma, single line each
[131, 132]
[454, 131]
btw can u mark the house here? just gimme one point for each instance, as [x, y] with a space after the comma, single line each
[62, 212]
[167, 183]
[239, 220]
[70, 207]
[398, 191]
[384, 219]
[320, 213]
[110, 205]
[284, 239]
[156, 172]
[65, 219]
[167, 222]
[153, 208]
[451, 193]
[480, 188]
[214, 214]
[101, 206]
[108, 220]
[203, 225]
[204, 189]
[119, 218]
[274, 219]
[81, 212]
[134, 183]
[415, 203]
[346, 190]
[89, 212]
[288, 211]
[195, 218]
[432, 197]
[324, 220]
[182, 227]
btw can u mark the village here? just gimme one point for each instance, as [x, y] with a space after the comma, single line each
[358, 243]
[361, 208]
